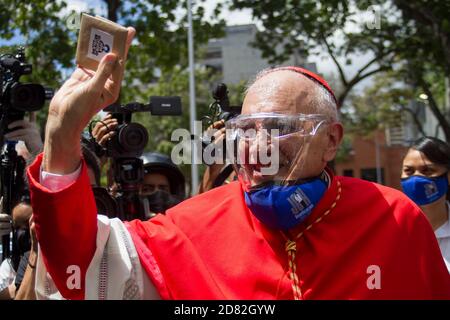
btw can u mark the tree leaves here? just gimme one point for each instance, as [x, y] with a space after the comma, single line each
[160, 44]
[412, 37]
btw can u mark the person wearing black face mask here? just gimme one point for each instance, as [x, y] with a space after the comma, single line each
[160, 201]
[425, 179]
[164, 183]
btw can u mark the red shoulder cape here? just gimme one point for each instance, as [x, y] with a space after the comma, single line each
[212, 247]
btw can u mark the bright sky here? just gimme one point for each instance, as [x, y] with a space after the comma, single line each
[324, 64]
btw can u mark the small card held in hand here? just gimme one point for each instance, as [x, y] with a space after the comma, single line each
[98, 37]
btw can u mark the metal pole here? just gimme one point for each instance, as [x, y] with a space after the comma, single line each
[377, 158]
[192, 109]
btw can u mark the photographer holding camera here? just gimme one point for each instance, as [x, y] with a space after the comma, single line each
[26, 132]
[20, 140]
[217, 172]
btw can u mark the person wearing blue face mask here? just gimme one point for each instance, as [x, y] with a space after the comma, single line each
[425, 179]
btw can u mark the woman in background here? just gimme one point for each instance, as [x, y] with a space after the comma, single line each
[425, 179]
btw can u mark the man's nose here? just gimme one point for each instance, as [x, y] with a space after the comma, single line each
[261, 143]
[259, 137]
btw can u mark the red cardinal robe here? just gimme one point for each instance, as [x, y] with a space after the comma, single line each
[362, 241]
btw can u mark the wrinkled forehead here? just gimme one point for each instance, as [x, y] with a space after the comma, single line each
[282, 92]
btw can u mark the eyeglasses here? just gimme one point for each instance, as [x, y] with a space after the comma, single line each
[276, 125]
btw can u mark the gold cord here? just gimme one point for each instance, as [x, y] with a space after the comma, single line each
[291, 249]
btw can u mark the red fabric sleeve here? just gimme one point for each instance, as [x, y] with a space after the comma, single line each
[66, 227]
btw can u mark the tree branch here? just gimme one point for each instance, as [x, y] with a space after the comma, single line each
[354, 81]
[368, 64]
[436, 129]
[415, 119]
[336, 62]
[113, 8]
[426, 17]
[435, 109]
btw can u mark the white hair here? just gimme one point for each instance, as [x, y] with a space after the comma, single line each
[325, 103]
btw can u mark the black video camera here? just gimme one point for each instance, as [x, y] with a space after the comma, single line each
[220, 109]
[125, 148]
[131, 138]
[17, 98]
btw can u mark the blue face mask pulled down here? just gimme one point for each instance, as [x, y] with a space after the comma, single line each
[283, 207]
[425, 190]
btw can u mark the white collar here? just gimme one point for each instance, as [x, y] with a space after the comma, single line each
[444, 230]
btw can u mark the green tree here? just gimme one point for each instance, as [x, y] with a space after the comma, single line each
[311, 27]
[409, 36]
[38, 25]
[424, 53]
[388, 102]
[45, 28]
[380, 105]
[161, 36]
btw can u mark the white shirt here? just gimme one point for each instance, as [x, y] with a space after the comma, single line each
[443, 237]
[7, 274]
[115, 271]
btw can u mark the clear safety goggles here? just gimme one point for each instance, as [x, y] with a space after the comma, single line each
[271, 147]
[276, 125]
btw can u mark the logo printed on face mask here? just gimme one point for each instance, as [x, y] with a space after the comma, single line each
[431, 189]
[283, 207]
[299, 202]
[425, 190]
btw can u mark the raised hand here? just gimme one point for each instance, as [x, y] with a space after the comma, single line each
[84, 94]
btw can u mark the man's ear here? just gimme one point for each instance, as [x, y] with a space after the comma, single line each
[335, 134]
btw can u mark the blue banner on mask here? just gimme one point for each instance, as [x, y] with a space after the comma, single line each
[283, 207]
[425, 190]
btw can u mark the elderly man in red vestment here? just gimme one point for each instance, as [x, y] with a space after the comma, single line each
[298, 233]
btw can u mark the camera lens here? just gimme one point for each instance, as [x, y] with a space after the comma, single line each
[27, 97]
[133, 137]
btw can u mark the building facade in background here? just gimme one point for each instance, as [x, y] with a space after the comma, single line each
[234, 57]
[379, 156]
